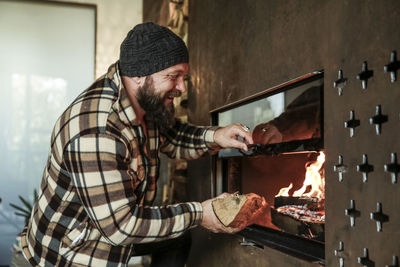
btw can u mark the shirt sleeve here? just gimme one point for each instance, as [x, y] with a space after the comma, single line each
[186, 141]
[99, 169]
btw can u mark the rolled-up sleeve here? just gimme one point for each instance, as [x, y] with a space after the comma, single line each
[98, 165]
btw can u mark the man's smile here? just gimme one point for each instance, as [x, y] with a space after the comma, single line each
[172, 94]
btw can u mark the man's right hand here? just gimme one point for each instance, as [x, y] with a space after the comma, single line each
[211, 222]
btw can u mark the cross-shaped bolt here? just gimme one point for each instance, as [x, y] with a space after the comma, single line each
[392, 167]
[395, 262]
[378, 119]
[352, 123]
[365, 168]
[340, 82]
[352, 212]
[392, 67]
[340, 168]
[365, 261]
[364, 75]
[379, 217]
[338, 253]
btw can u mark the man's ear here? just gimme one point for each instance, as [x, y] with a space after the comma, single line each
[139, 81]
[132, 82]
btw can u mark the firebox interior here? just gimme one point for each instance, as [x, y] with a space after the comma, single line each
[273, 172]
[287, 127]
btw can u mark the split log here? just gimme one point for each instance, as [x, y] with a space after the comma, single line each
[239, 211]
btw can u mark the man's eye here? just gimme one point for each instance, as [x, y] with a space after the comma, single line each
[173, 77]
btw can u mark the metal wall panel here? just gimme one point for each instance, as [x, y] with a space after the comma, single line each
[238, 48]
[370, 35]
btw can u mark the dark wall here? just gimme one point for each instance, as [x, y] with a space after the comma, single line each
[155, 11]
[241, 47]
[238, 48]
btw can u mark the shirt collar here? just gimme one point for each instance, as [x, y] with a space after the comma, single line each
[123, 105]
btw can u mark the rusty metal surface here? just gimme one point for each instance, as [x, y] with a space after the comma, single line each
[216, 250]
[359, 194]
[238, 48]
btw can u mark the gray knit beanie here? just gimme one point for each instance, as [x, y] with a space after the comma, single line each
[149, 48]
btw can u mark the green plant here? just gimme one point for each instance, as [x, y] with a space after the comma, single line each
[25, 210]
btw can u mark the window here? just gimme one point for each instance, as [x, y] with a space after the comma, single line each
[47, 57]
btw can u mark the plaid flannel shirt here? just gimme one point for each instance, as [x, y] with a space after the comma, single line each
[100, 179]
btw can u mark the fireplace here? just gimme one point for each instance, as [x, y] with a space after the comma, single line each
[285, 165]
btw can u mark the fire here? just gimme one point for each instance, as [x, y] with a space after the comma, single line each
[313, 180]
[284, 192]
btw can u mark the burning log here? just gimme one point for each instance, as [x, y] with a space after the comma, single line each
[297, 221]
[300, 216]
[303, 213]
[311, 203]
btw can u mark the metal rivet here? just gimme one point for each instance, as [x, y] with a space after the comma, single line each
[365, 260]
[392, 167]
[379, 217]
[392, 67]
[352, 212]
[364, 75]
[340, 82]
[338, 253]
[395, 262]
[352, 123]
[378, 119]
[365, 168]
[340, 168]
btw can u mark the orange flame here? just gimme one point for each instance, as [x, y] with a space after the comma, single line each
[284, 192]
[313, 179]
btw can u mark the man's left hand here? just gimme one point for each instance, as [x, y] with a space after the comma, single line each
[227, 137]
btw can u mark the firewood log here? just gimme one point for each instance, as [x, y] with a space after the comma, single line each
[239, 211]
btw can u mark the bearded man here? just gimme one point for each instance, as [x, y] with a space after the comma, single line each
[95, 201]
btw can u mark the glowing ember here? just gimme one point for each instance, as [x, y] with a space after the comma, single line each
[313, 180]
[302, 213]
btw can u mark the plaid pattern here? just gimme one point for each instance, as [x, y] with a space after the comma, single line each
[100, 180]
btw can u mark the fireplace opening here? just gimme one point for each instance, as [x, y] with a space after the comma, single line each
[293, 185]
[285, 165]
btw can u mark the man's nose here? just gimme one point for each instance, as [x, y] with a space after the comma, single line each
[181, 86]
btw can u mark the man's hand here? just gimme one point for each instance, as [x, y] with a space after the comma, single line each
[267, 133]
[211, 222]
[227, 137]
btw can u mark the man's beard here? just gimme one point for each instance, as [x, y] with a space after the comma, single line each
[153, 104]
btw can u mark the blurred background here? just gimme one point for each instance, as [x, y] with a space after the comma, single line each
[50, 51]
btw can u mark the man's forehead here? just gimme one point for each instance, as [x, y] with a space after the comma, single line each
[182, 67]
